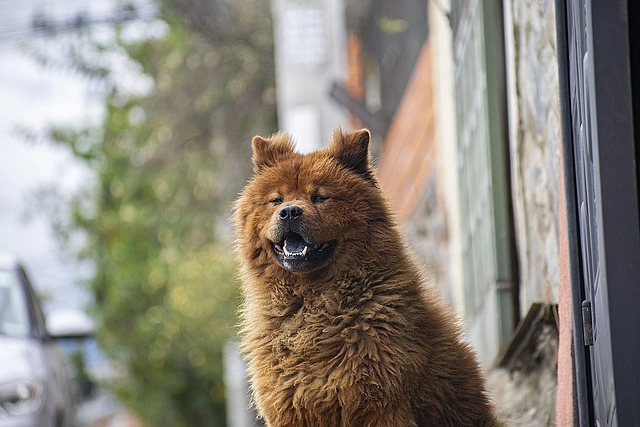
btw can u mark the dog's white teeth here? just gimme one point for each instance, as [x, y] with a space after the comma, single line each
[302, 253]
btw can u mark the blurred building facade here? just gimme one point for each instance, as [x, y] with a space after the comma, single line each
[444, 160]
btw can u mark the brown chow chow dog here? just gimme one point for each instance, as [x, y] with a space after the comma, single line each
[338, 326]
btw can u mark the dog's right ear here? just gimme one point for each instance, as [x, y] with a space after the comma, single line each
[269, 151]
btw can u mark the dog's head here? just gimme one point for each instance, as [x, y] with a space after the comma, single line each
[303, 213]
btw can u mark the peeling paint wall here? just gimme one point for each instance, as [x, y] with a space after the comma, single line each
[532, 79]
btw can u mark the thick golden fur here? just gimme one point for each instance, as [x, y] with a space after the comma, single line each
[357, 340]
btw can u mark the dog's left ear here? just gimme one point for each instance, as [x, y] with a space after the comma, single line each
[352, 150]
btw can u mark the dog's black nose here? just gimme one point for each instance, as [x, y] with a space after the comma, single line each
[290, 213]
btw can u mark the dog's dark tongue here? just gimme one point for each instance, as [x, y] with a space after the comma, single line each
[294, 243]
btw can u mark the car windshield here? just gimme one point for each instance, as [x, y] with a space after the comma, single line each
[14, 318]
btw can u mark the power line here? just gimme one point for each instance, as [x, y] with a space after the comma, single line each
[44, 24]
[41, 24]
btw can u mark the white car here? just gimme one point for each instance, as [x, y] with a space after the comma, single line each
[36, 389]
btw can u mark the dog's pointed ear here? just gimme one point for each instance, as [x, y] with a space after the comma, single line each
[268, 151]
[352, 150]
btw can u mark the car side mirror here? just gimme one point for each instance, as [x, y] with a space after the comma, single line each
[70, 324]
[71, 329]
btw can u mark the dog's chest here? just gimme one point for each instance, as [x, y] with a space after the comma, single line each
[327, 326]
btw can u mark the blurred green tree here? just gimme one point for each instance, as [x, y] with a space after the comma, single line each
[168, 161]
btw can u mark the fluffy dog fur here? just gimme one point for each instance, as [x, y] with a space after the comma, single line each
[338, 326]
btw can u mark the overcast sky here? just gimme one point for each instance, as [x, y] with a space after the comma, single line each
[33, 96]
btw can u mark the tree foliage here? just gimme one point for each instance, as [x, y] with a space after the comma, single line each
[167, 164]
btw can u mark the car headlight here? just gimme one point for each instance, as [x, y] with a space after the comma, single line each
[21, 397]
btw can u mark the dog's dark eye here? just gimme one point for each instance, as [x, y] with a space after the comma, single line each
[316, 198]
[276, 200]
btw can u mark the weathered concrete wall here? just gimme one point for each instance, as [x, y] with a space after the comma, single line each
[532, 73]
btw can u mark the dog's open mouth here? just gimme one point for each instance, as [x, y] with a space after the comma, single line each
[296, 254]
